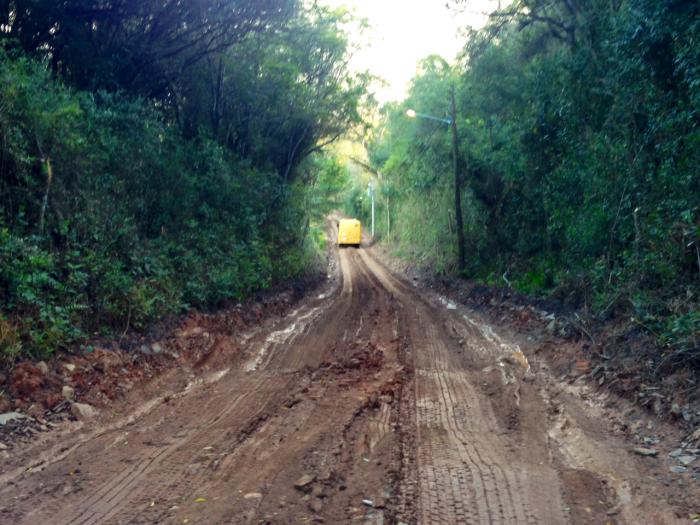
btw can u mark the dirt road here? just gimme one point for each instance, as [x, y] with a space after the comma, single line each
[374, 402]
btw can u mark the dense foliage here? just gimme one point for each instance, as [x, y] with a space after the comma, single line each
[579, 132]
[156, 156]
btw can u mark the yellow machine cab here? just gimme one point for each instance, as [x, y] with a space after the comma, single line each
[349, 233]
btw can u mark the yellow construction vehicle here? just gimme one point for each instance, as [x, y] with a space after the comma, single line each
[349, 233]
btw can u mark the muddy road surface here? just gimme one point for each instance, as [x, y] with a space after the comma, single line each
[373, 402]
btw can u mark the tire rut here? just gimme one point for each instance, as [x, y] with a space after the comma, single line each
[464, 474]
[108, 500]
[166, 475]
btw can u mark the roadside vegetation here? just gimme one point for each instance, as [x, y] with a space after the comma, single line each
[156, 157]
[579, 143]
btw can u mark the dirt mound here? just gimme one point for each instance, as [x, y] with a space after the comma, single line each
[359, 355]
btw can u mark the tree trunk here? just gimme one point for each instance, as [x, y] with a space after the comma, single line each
[45, 202]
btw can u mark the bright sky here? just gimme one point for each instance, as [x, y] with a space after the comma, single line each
[403, 32]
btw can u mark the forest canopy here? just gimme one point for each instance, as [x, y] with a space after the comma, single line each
[156, 156]
[579, 144]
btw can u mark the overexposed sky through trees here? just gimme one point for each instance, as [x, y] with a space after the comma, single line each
[403, 32]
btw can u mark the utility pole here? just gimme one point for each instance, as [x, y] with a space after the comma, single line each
[370, 192]
[452, 122]
[458, 183]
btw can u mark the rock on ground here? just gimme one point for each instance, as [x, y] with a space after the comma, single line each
[68, 393]
[11, 416]
[83, 411]
[304, 483]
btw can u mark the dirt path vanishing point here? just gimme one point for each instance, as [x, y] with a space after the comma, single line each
[373, 402]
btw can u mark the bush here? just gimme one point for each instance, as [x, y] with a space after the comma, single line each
[111, 218]
[580, 160]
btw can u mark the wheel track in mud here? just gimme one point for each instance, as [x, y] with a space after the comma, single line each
[176, 481]
[173, 480]
[207, 473]
[464, 475]
[109, 498]
[181, 481]
[350, 304]
[107, 501]
[294, 359]
[164, 475]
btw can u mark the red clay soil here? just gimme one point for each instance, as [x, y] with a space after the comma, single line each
[371, 401]
[617, 354]
[113, 368]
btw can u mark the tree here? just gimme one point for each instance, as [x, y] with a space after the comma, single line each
[142, 46]
[580, 125]
[159, 155]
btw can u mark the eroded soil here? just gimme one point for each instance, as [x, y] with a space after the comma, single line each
[372, 402]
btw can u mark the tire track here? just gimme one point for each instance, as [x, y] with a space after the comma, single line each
[116, 492]
[273, 384]
[464, 475]
[173, 483]
[166, 473]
